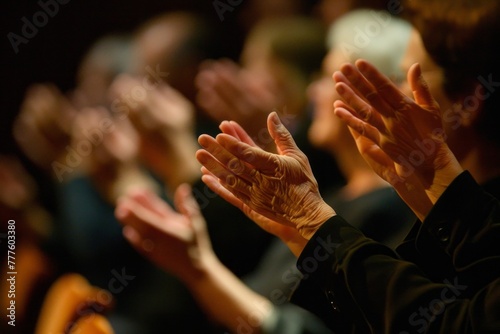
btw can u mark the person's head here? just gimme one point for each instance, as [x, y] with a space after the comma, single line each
[455, 43]
[288, 52]
[255, 11]
[174, 43]
[383, 46]
[108, 57]
[331, 10]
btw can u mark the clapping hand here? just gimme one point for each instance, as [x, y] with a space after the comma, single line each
[279, 187]
[402, 139]
[164, 120]
[226, 91]
[177, 242]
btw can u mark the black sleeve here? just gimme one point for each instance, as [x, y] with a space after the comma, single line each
[370, 286]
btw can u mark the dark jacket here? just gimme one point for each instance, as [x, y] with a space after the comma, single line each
[445, 277]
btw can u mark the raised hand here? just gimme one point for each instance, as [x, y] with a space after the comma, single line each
[162, 108]
[226, 91]
[289, 235]
[175, 241]
[164, 120]
[402, 139]
[280, 187]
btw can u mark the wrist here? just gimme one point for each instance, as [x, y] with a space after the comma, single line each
[204, 272]
[311, 223]
[443, 177]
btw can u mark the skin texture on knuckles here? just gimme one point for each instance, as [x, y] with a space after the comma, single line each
[280, 187]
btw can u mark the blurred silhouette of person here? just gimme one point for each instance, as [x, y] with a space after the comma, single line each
[171, 46]
[91, 156]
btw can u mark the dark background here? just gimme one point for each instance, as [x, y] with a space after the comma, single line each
[55, 51]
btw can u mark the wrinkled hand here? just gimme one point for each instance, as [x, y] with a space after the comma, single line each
[176, 242]
[280, 187]
[402, 139]
[226, 91]
[289, 235]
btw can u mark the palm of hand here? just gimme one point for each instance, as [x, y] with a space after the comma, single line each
[176, 242]
[409, 133]
[280, 187]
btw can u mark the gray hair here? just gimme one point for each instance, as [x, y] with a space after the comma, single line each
[375, 36]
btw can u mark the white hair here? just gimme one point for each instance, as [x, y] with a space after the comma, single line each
[375, 36]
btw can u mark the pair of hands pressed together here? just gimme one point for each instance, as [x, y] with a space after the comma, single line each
[164, 120]
[279, 192]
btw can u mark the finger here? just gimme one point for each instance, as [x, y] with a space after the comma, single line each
[281, 136]
[385, 88]
[260, 160]
[363, 110]
[363, 128]
[150, 201]
[226, 178]
[142, 245]
[228, 129]
[420, 88]
[130, 213]
[185, 202]
[371, 152]
[214, 184]
[228, 193]
[234, 129]
[358, 82]
[353, 78]
[228, 160]
[132, 236]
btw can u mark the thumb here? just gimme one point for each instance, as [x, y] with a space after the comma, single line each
[188, 206]
[281, 136]
[420, 88]
[184, 201]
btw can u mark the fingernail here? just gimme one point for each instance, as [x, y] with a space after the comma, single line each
[419, 70]
[340, 89]
[275, 118]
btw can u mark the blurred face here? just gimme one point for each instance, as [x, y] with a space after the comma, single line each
[327, 131]
[434, 76]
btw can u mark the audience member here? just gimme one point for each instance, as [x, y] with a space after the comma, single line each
[451, 248]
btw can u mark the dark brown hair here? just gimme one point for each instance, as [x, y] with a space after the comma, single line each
[462, 37]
